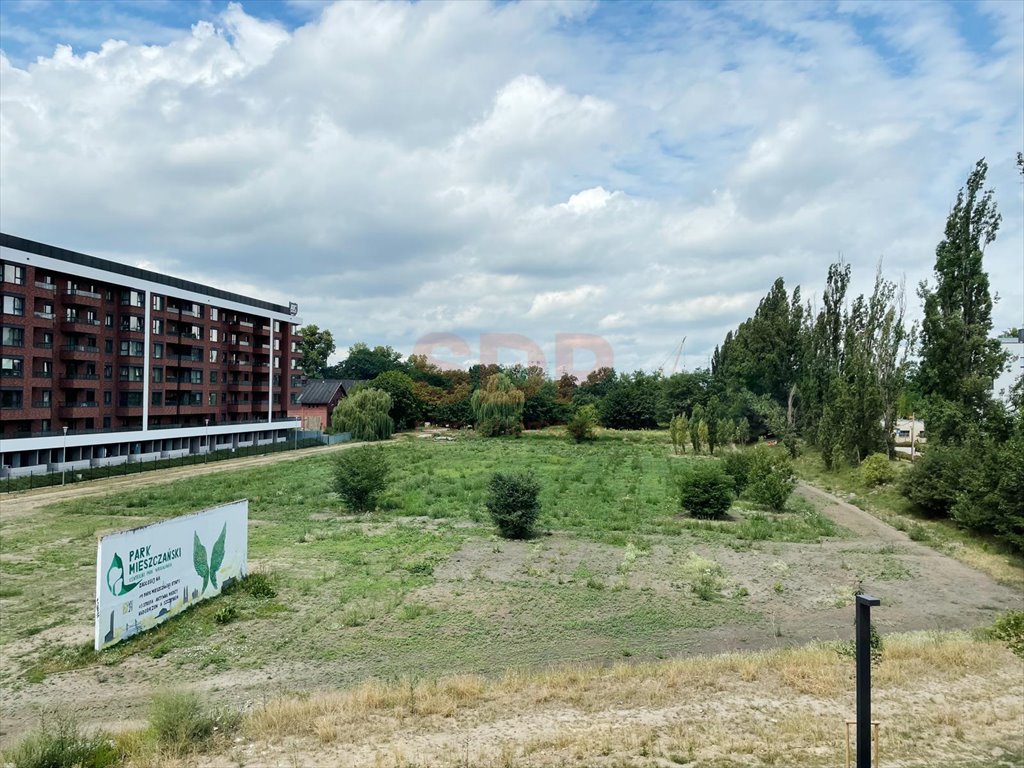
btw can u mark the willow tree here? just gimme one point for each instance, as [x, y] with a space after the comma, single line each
[498, 407]
[365, 414]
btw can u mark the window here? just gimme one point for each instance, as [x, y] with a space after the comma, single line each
[108, 398]
[46, 397]
[213, 355]
[108, 346]
[11, 367]
[13, 337]
[132, 299]
[157, 398]
[108, 371]
[106, 422]
[45, 368]
[158, 325]
[109, 320]
[158, 349]
[131, 323]
[277, 361]
[277, 344]
[195, 377]
[213, 334]
[132, 348]
[277, 326]
[213, 398]
[158, 302]
[294, 398]
[10, 398]
[14, 273]
[44, 425]
[213, 377]
[214, 313]
[130, 399]
[14, 305]
[296, 380]
[158, 374]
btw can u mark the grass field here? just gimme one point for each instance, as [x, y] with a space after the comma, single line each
[423, 589]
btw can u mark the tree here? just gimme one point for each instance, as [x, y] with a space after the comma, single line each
[959, 360]
[702, 434]
[582, 424]
[365, 415]
[366, 364]
[632, 401]
[498, 407]
[679, 432]
[317, 346]
[361, 476]
[404, 410]
[542, 408]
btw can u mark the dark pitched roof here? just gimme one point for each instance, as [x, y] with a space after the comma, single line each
[326, 391]
[321, 391]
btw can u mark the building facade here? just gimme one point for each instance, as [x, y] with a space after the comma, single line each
[319, 399]
[103, 363]
[1014, 348]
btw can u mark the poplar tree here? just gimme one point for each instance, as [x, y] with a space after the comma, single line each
[959, 360]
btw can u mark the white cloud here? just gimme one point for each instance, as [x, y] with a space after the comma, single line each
[400, 169]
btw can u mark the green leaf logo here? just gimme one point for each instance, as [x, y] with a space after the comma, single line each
[115, 577]
[199, 560]
[209, 572]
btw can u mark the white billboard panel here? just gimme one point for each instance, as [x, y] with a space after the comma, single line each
[147, 575]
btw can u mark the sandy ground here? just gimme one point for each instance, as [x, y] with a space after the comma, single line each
[802, 589]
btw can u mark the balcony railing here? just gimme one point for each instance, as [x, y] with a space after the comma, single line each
[42, 374]
[46, 286]
[45, 315]
[80, 348]
[42, 403]
[11, 373]
[43, 345]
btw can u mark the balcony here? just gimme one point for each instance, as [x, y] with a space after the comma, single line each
[42, 374]
[80, 298]
[238, 407]
[46, 286]
[125, 411]
[79, 352]
[78, 380]
[79, 324]
[77, 410]
[241, 325]
[239, 365]
[239, 344]
[12, 373]
[238, 386]
[44, 315]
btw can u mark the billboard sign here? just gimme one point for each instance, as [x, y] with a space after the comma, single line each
[147, 575]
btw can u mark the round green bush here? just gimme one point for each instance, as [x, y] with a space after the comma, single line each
[876, 469]
[361, 476]
[737, 466]
[705, 490]
[512, 501]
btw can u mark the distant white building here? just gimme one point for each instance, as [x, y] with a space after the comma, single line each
[1015, 367]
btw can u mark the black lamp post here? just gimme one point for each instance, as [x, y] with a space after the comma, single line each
[863, 634]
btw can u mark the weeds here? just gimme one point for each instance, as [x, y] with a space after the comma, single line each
[60, 743]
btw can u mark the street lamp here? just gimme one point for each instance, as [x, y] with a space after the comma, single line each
[64, 455]
[207, 439]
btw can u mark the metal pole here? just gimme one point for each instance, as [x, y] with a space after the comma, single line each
[207, 461]
[64, 456]
[863, 632]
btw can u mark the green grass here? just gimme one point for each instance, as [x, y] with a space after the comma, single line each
[379, 594]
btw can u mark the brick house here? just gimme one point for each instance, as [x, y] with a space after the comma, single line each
[318, 400]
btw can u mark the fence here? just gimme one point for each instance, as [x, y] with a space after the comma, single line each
[71, 476]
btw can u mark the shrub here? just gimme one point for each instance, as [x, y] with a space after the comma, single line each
[706, 577]
[771, 479]
[498, 407]
[365, 415]
[60, 744]
[581, 425]
[226, 615]
[179, 720]
[737, 466]
[1009, 628]
[513, 504]
[258, 585]
[876, 469]
[933, 481]
[361, 476]
[705, 490]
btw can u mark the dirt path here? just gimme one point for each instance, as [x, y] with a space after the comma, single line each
[20, 503]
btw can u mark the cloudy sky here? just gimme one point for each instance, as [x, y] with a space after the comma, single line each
[641, 172]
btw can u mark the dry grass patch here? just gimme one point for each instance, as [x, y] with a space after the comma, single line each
[942, 697]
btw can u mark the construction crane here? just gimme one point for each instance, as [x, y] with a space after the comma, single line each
[675, 365]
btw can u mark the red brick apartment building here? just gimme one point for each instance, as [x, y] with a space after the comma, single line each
[102, 363]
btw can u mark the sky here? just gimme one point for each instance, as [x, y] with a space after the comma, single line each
[492, 172]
